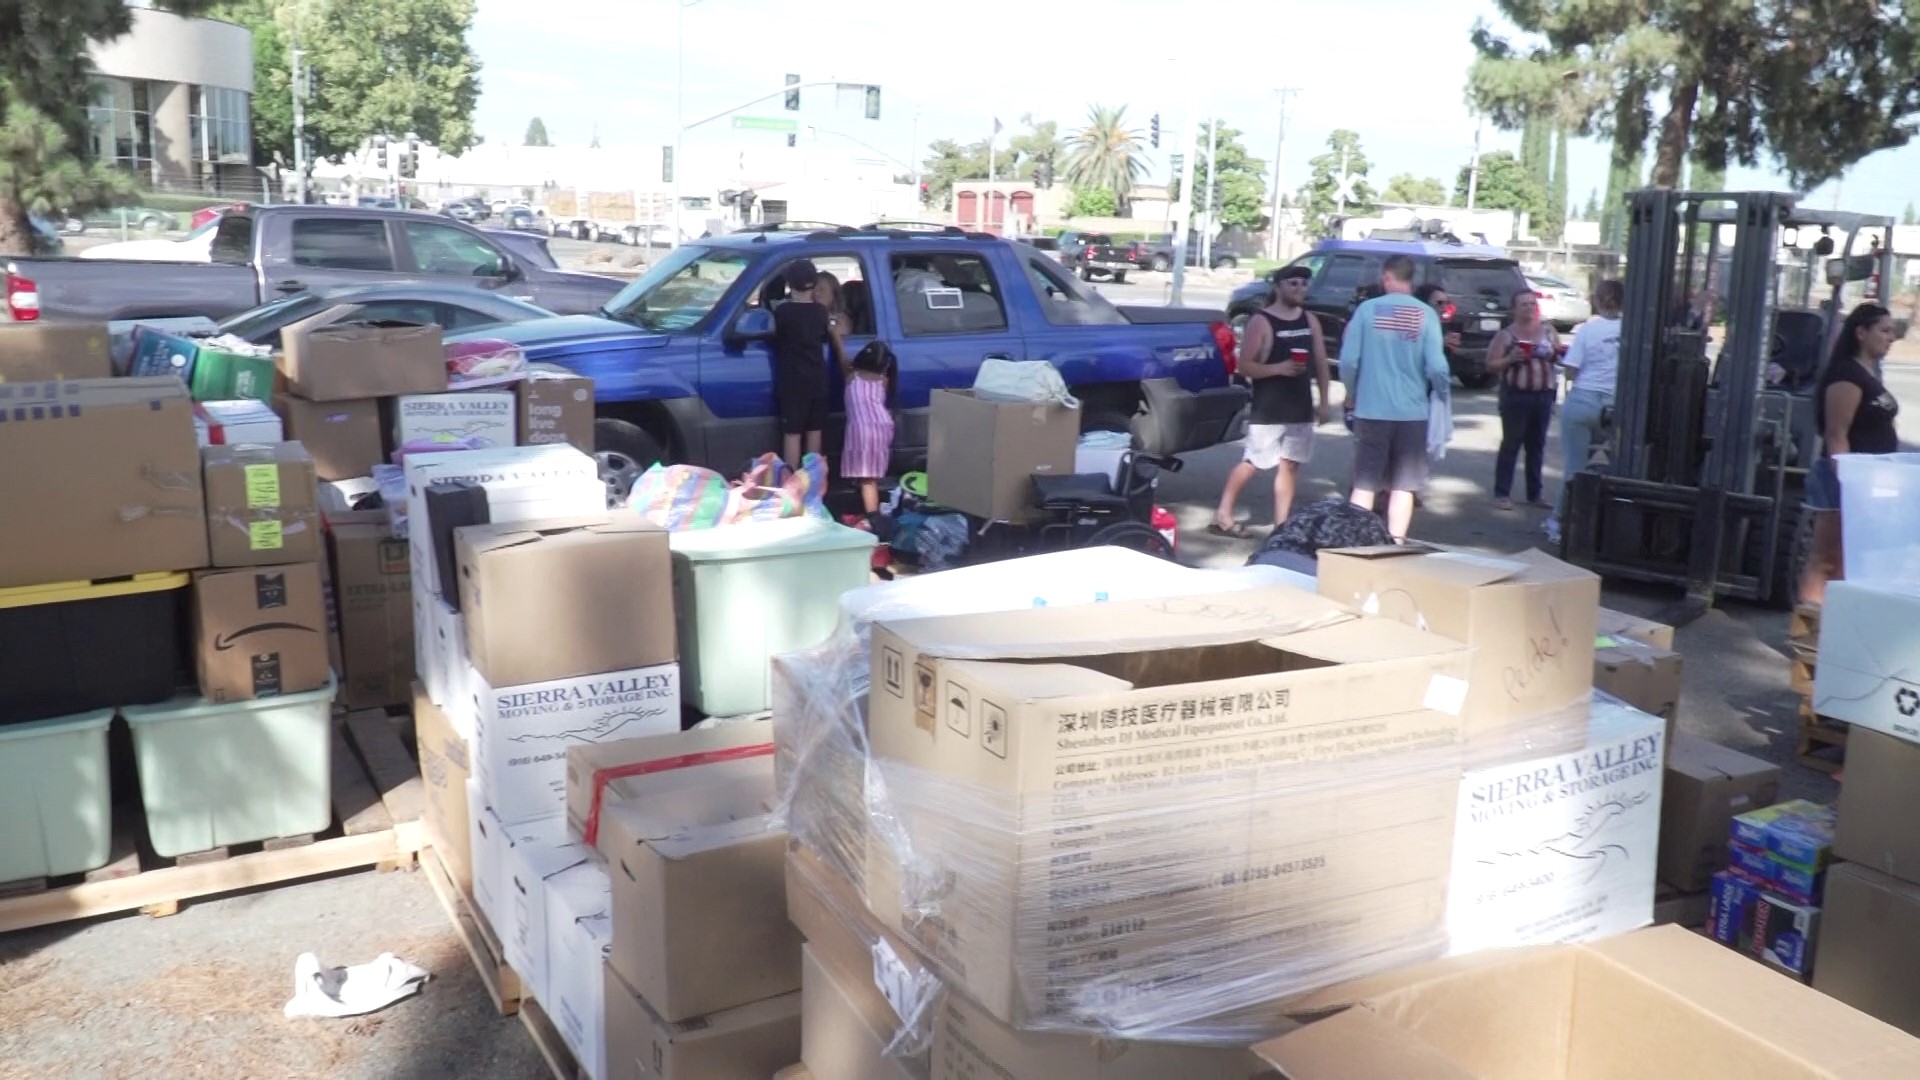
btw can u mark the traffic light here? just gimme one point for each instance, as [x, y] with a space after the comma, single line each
[926, 193]
[380, 152]
[793, 95]
[793, 139]
[411, 162]
[1155, 128]
[873, 103]
[666, 164]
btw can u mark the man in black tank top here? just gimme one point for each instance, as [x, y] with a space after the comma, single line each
[1284, 354]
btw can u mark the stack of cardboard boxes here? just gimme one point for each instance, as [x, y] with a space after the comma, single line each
[1767, 902]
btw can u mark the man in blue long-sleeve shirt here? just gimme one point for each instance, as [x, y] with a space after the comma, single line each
[1391, 359]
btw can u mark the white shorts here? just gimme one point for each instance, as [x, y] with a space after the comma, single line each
[1267, 445]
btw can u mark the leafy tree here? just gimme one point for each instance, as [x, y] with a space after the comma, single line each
[1911, 217]
[1720, 70]
[1024, 151]
[44, 142]
[1592, 211]
[1555, 225]
[1416, 190]
[536, 133]
[951, 162]
[1624, 174]
[1105, 154]
[1093, 202]
[1239, 178]
[1320, 196]
[379, 67]
[1504, 185]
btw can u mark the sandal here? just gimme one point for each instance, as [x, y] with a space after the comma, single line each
[1235, 531]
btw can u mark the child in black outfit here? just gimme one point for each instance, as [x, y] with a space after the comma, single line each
[802, 329]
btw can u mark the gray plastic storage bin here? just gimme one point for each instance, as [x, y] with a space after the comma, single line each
[747, 592]
[56, 799]
[213, 775]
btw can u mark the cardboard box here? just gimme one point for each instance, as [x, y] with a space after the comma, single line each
[600, 774]
[471, 419]
[1623, 627]
[342, 436]
[529, 868]
[982, 454]
[39, 351]
[835, 1039]
[699, 889]
[1705, 786]
[553, 405]
[225, 423]
[1798, 832]
[259, 632]
[1660, 1002]
[1869, 672]
[521, 733]
[737, 1044]
[1562, 848]
[548, 600]
[445, 768]
[494, 842]
[1763, 924]
[579, 936]
[1879, 804]
[524, 483]
[227, 375]
[263, 505]
[328, 359]
[373, 583]
[1144, 727]
[1644, 677]
[1870, 944]
[114, 488]
[1529, 617]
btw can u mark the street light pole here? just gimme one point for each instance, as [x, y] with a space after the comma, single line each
[679, 111]
[1206, 238]
[1473, 171]
[299, 123]
[1177, 295]
[1274, 224]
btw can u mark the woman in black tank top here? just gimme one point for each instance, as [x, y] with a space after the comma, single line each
[1854, 413]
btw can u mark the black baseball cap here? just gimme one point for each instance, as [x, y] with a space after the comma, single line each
[802, 275]
[1290, 273]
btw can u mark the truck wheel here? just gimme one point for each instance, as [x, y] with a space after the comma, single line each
[1119, 277]
[1162, 264]
[1228, 263]
[1086, 274]
[1480, 381]
[623, 451]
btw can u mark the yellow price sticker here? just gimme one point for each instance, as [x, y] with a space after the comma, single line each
[264, 536]
[263, 487]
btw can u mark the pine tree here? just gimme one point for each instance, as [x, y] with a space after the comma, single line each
[536, 133]
[1556, 224]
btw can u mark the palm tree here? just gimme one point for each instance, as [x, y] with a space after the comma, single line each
[1105, 153]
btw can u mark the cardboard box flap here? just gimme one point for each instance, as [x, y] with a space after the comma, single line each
[484, 538]
[1363, 641]
[699, 840]
[1128, 626]
[1382, 551]
[729, 1022]
[1374, 990]
[1357, 1045]
[1043, 682]
[339, 313]
[1702, 759]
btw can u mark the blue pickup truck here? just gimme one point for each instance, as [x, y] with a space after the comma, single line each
[683, 369]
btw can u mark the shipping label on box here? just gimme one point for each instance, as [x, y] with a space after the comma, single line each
[1869, 671]
[260, 632]
[263, 505]
[1560, 849]
[472, 420]
[556, 406]
[41, 351]
[521, 733]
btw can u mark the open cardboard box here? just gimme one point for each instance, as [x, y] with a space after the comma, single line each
[1663, 1002]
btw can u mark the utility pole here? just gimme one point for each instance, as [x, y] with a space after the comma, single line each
[1188, 132]
[1206, 238]
[298, 81]
[913, 153]
[1346, 153]
[1274, 224]
[1473, 170]
[679, 113]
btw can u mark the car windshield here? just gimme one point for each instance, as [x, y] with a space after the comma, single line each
[268, 317]
[681, 290]
[1486, 279]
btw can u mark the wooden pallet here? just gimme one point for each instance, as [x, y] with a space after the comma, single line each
[376, 823]
[1803, 625]
[481, 943]
[546, 1038]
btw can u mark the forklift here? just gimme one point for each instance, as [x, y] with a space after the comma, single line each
[1699, 482]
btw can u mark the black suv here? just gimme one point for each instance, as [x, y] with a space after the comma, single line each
[1480, 283]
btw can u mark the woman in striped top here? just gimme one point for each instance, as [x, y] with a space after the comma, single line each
[1523, 356]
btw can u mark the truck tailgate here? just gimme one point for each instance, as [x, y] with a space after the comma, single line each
[107, 289]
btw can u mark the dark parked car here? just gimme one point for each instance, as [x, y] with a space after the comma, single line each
[267, 251]
[451, 307]
[1228, 248]
[1481, 282]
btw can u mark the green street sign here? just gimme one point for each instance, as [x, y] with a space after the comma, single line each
[765, 123]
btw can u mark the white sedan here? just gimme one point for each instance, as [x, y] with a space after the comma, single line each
[1561, 303]
[197, 246]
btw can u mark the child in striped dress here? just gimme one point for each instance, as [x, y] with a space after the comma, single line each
[870, 377]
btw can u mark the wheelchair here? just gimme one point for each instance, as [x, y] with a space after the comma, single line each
[1092, 510]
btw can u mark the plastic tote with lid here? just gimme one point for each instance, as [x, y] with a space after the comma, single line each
[55, 796]
[213, 775]
[746, 592]
[1880, 509]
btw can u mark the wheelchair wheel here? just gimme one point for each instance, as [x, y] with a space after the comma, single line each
[1134, 536]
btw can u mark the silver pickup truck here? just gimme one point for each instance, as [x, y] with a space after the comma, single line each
[261, 253]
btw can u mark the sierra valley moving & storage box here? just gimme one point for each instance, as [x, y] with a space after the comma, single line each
[102, 480]
[982, 453]
[1706, 786]
[343, 437]
[1237, 788]
[327, 358]
[1661, 1002]
[475, 419]
[40, 351]
[260, 632]
[1529, 617]
[263, 504]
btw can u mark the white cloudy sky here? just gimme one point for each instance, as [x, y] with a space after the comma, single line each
[1392, 70]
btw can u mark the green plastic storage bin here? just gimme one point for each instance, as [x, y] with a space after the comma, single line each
[213, 775]
[746, 592]
[56, 799]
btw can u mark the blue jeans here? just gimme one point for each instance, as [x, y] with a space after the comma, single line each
[1579, 430]
[1524, 417]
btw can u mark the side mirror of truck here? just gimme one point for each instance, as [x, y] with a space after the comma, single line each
[754, 324]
